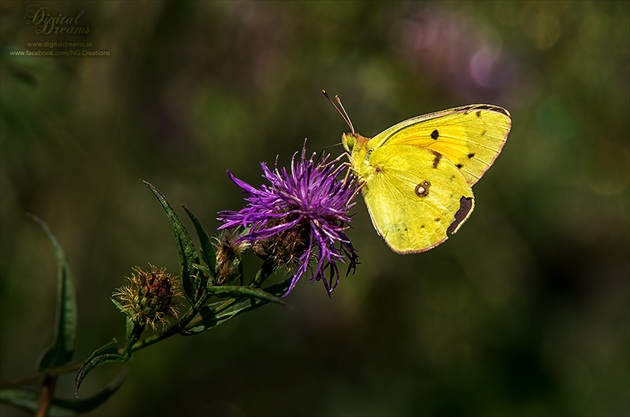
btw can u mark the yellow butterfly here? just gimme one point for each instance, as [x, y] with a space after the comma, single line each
[416, 176]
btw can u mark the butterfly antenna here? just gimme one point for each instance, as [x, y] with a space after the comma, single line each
[340, 109]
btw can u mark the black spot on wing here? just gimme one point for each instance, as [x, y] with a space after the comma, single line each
[478, 113]
[465, 205]
[471, 155]
[437, 158]
[459, 166]
[435, 134]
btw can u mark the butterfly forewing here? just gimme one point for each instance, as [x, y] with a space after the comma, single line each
[471, 137]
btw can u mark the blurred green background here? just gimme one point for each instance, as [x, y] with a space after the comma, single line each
[524, 312]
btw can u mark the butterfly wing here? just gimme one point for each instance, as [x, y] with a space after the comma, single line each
[415, 197]
[471, 137]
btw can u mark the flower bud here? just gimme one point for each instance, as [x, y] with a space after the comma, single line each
[228, 255]
[149, 297]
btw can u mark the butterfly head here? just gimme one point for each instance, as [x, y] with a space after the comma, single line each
[353, 140]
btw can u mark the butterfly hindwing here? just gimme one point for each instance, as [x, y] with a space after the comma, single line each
[415, 197]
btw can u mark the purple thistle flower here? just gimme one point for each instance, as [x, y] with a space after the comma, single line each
[300, 216]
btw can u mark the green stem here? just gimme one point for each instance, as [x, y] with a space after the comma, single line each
[265, 272]
[132, 338]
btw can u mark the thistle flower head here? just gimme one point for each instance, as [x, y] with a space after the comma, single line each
[149, 297]
[299, 219]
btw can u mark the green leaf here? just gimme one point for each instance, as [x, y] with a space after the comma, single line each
[24, 398]
[105, 354]
[119, 306]
[187, 252]
[209, 318]
[204, 269]
[216, 313]
[62, 349]
[236, 291]
[207, 248]
[28, 400]
[88, 404]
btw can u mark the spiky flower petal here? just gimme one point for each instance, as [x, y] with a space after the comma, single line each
[299, 219]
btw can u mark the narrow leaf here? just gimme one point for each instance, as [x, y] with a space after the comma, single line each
[204, 269]
[28, 400]
[187, 252]
[62, 349]
[221, 311]
[88, 404]
[118, 305]
[207, 248]
[244, 291]
[23, 398]
[208, 318]
[105, 354]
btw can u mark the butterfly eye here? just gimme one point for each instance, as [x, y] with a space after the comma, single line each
[349, 141]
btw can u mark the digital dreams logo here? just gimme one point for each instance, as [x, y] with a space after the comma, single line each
[45, 23]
